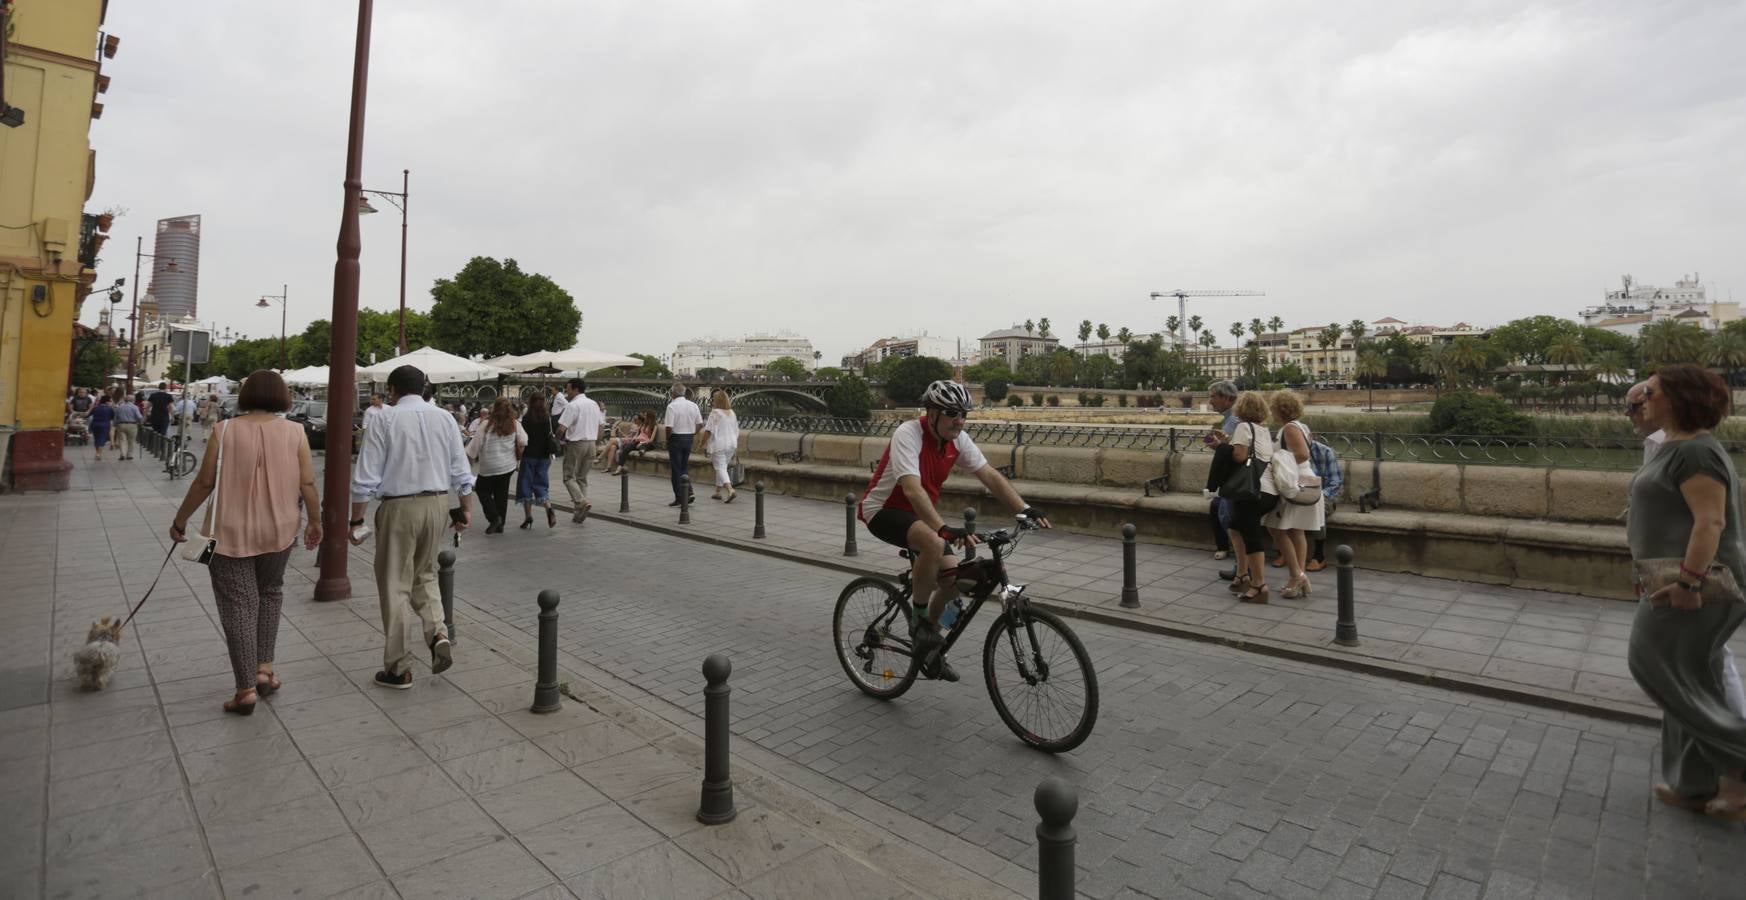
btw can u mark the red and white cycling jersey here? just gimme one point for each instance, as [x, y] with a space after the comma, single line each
[912, 453]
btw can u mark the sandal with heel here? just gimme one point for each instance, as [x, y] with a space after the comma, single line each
[236, 706]
[1254, 595]
[268, 687]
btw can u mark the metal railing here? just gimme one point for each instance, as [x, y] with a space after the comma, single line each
[1545, 451]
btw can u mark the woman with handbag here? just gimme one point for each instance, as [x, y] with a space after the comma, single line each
[1252, 496]
[1684, 528]
[256, 469]
[533, 480]
[498, 442]
[721, 437]
[1300, 497]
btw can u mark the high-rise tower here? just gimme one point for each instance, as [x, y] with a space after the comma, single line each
[177, 290]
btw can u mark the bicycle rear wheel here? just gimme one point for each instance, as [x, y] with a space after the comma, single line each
[871, 632]
[182, 463]
[1046, 690]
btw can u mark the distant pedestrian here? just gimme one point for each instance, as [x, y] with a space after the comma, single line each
[498, 445]
[1684, 527]
[1327, 466]
[533, 480]
[410, 460]
[160, 401]
[127, 419]
[81, 403]
[1221, 396]
[581, 423]
[209, 412]
[721, 439]
[681, 421]
[260, 468]
[102, 419]
[1251, 439]
[186, 409]
[632, 434]
[1295, 515]
[372, 411]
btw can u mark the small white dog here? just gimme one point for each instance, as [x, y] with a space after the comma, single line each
[96, 661]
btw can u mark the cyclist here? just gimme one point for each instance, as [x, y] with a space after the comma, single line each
[899, 505]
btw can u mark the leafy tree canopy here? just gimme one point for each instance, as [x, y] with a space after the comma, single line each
[787, 366]
[1529, 339]
[378, 338]
[491, 308]
[988, 369]
[1460, 412]
[911, 375]
[850, 398]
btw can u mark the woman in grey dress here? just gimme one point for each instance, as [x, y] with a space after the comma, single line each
[1686, 506]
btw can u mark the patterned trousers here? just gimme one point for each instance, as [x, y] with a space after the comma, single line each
[248, 590]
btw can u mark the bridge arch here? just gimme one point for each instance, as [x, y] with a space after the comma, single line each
[807, 398]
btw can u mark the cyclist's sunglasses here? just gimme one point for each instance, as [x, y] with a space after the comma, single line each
[952, 413]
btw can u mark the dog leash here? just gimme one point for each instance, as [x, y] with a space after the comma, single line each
[154, 586]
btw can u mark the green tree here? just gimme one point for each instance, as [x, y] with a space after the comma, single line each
[1043, 327]
[1669, 341]
[827, 373]
[1371, 366]
[1529, 339]
[787, 366]
[1329, 337]
[491, 308]
[1567, 350]
[1084, 331]
[711, 373]
[1257, 327]
[1124, 336]
[1468, 356]
[1464, 413]
[1254, 365]
[1172, 325]
[1100, 371]
[1195, 324]
[990, 368]
[1237, 331]
[1030, 327]
[995, 388]
[1288, 373]
[1103, 332]
[313, 346]
[849, 398]
[1033, 371]
[1728, 352]
[652, 367]
[1063, 368]
[1208, 339]
[1357, 329]
[1435, 365]
[1276, 324]
[94, 360]
[378, 338]
[911, 376]
[1611, 366]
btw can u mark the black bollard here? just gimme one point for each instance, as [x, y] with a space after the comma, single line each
[717, 807]
[546, 688]
[685, 499]
[849, 526]
[446, 587]
[970, 526]
[1056, 801]
[1345, 622]
[624, 490]
[1130, 578]
[758, 510]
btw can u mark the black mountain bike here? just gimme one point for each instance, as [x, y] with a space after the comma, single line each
[1039, 675]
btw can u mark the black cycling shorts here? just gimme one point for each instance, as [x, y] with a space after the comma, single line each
[892, 526]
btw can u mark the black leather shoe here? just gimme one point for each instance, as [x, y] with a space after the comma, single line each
[674, 503]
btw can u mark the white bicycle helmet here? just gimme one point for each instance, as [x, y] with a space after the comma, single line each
[947, 395]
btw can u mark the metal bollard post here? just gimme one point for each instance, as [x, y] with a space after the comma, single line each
[717, 807]
[758, 510]
[849, 526]
[685, 499]
[446, 587]
[1056, 802]
[1130, 578]
[546, 688]
[624, 490]
[1345, 622]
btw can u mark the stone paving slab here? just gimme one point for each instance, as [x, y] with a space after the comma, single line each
[1562, 650]
[336, 787]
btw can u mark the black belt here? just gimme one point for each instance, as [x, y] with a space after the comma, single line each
[419, 494]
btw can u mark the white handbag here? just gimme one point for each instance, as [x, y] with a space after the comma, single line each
[201, 551]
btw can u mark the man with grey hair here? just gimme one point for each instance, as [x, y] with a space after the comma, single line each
[1652, 444]
[681, 421]
[1223, 396]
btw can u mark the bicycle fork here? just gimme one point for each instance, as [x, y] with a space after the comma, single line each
[1014, 606]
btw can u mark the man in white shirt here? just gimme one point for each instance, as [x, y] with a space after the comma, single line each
[1652, 443]
[372, 411]
[412, 456]
[580, 422]
[681, 422]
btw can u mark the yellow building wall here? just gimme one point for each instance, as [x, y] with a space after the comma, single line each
[51, 71]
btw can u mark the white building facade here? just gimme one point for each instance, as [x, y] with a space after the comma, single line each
[1626, 311]
[744, 355]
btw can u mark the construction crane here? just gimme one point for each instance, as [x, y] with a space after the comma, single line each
[1182, 306]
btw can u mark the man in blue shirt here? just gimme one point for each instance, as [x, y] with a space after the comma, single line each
[1327, 467]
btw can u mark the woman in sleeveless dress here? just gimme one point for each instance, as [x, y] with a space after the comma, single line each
[1295, 516]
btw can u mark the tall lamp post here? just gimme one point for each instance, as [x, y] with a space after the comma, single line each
[399, 201]
[336, 503]
[133, 317]
[282, 299]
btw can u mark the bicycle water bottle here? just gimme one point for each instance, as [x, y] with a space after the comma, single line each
[951, 613]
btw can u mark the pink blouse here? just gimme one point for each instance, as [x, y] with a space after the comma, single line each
[259, 498]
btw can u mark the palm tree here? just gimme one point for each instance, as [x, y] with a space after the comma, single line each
[1237, 331]
[1195, 325]
[1610, 367]
[1043, 326]
[1275, 324]
[1435, 363]
[1257, 327]
[1030, 327]
[1124, 336]
[1728, 350]
[1466, 355]
[1103, 332]
[1084, 336]
[1356, 328]
[1171, 325]
[1669, 341]
[1208, 339]
[1371, 366]
[1254, 364]
[1329, 336]
[1567, 351]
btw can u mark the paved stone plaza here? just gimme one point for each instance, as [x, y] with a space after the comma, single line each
[1212, 772]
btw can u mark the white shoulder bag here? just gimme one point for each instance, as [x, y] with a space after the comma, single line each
[1282, 469]
[201, 551]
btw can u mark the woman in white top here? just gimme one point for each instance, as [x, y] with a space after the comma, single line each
[497, 444]
[721, 438]
[1296, 513]
[1249, 439]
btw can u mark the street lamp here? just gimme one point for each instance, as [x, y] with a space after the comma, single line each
[281, 298]
[399, 201]
[133, 317]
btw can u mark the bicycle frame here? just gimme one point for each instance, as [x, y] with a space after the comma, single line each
[991, 581]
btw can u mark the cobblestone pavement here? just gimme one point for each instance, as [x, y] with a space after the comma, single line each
[1566, 648]
[1212, 771]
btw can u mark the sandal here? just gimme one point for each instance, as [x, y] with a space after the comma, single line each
[237, 706]
[1673, 798]
[1240, 583]
[1254, 595]
[268, 687]
[1726, 810]
[551, 517]
[730, 497]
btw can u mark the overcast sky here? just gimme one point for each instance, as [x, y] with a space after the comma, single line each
[853, 170]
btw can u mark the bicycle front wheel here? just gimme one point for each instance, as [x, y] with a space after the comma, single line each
[183, 463]
[1041, 681]
[871, 633]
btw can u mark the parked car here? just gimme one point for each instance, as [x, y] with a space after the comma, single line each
[312, 415]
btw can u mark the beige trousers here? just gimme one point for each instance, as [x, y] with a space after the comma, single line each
[126, 438]
[578, 456]
[408, 533]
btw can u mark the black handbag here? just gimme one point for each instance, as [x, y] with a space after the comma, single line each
[1244, 482]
